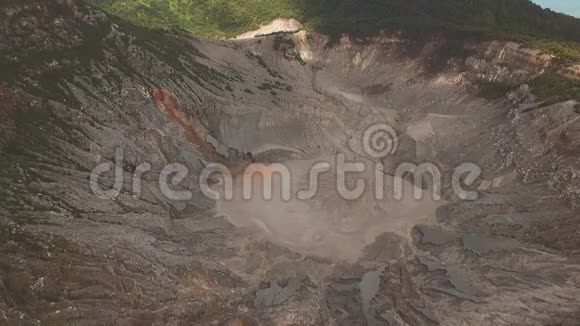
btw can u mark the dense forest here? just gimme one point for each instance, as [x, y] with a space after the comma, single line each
[520, 20]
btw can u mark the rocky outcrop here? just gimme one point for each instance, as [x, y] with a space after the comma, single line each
[279, 25]
[507, 62]
[571, 72]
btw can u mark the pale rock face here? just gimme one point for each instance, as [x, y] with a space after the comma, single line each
[279, 25]
[507, 62]
[571, 72]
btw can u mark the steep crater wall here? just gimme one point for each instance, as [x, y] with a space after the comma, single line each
[81, 86]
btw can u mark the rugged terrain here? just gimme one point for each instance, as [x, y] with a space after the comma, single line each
[78, 85]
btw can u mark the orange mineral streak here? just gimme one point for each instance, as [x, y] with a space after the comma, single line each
[260, 169]
[167, 104]
[241, 322]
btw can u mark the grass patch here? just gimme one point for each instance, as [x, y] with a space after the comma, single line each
[277, 85]
[493, 90]
[567, 52]
[378, 89]
[554, 88]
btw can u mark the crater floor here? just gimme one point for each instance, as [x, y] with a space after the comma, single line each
[510, 256]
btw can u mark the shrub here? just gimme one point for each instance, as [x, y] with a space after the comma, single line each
[492, 90]
[551, 85]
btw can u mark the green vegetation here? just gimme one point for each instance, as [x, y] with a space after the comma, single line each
[567, 52]
[269, 86]
[552, 88]
[213, 18]
[12, 238]
[519, 20]
[493, 90]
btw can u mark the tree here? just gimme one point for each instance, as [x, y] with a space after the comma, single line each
[486, 19]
